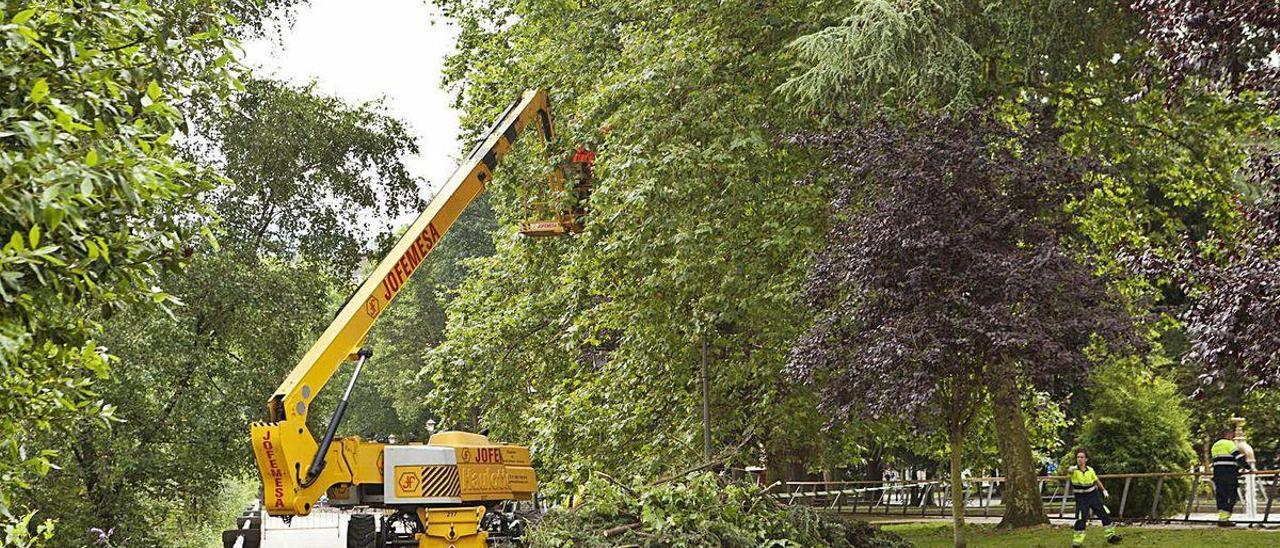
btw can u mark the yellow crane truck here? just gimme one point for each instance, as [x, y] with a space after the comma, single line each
[450, 491]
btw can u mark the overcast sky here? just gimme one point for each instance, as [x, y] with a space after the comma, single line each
[370, 49]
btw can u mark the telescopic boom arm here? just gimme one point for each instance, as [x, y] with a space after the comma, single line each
[342, 339]
[293, 466]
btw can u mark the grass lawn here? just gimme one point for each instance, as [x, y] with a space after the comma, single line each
[929, 535]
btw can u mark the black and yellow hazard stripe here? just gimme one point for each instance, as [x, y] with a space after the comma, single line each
[440, 481]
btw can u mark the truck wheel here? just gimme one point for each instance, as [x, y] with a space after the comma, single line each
[242, 538]
[361, 532]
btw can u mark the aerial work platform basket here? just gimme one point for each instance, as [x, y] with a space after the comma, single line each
[571, 184]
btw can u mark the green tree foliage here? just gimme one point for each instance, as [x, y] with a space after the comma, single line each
[314, 177]
[1138, 423]
[951, 53]
[188, 383]
[1262, 409]
[390, 398]
[1169, 176]
[185, 388]
[589, 348]
[94, 199]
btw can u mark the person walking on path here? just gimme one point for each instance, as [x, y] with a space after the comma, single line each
[1089, 493]
[1228, 462]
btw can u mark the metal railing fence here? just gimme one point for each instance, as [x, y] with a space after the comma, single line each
[1163, 497]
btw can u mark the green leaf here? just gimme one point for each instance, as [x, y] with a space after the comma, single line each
[22, 16]
[61, 116]
[50, 192]
[39, 90]
[106, 253]
[32, 37]
[16, 242]
[91, 158]
[53, 217]
[208, 235]
[153, 90]
[34, 236]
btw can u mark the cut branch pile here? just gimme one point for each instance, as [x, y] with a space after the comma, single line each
[701, 509]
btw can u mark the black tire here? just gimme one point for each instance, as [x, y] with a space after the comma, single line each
[249, 538]
[362, 532]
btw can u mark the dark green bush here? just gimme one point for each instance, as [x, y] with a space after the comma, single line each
[1138, 424]
[702, 510]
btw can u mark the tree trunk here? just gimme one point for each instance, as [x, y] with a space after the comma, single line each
[1022, 504]
[956, 442]
[97, 493]
[874, 470]
[706, 405]
[788, 465]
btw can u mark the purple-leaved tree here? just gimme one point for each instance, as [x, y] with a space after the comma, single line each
[1234, 318]
[1227, 44]
[946, 279]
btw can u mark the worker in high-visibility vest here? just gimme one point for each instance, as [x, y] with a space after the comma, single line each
[574, 497]
[1228, 462]
[1089, 493]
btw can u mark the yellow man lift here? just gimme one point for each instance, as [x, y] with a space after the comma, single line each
[449, 491]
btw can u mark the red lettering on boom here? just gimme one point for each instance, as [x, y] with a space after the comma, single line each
[409, 261]
[273, 466]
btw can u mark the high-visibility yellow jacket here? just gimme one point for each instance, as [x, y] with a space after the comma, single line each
[1227, 457]
[1083, 481]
